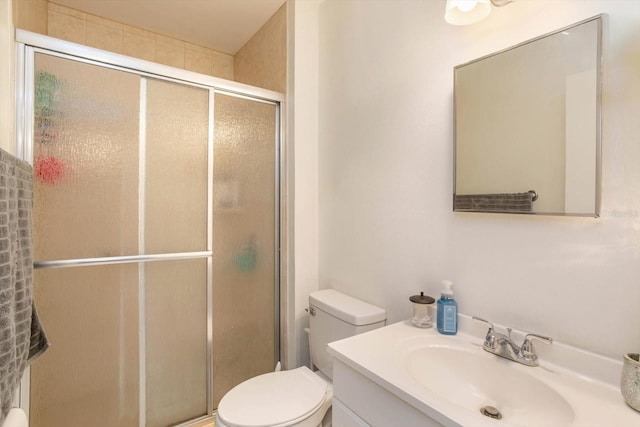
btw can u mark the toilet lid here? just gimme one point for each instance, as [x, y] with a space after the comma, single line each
[272, 399]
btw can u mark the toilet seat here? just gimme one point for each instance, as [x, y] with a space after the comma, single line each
[274, 399]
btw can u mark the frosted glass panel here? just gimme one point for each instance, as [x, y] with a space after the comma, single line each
[85, 160]
[176, 186]
[105, 143]
[244, 241]
[89, 375]
[176, 341]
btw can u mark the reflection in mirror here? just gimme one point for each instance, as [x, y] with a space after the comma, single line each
[527, 126]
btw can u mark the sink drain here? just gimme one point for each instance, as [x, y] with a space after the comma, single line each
[491, 412]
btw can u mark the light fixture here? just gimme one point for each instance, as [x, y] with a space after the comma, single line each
[466, 12]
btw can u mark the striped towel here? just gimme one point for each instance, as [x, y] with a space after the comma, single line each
[21, 336]
[506, 202]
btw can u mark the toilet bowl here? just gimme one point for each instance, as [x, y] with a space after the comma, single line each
[301, 397]
[298, 397]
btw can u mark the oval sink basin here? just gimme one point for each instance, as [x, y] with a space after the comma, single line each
[474, 379]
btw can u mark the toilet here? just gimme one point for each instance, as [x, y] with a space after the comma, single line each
[301, 397]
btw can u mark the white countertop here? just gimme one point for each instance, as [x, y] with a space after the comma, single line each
[591, 388]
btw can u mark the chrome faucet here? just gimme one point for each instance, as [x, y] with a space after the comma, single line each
[502, 345]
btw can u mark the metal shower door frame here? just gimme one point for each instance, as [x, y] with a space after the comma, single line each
[28, 44]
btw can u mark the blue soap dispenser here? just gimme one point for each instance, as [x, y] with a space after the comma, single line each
[447, 311]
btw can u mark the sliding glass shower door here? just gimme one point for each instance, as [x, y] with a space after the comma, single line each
[245, 244]
[156, 224]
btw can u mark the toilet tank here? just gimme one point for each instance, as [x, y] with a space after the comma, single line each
[334, 316]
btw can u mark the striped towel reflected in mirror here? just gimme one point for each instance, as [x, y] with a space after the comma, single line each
[505, 202]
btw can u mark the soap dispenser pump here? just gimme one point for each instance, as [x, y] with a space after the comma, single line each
[447, 317]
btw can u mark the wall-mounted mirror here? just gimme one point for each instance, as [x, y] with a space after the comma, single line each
[527, 126]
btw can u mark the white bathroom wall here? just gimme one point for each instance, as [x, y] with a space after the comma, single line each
[387, 229]
[305, 129]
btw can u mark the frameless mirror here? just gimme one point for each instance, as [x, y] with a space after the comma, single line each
[527, 126]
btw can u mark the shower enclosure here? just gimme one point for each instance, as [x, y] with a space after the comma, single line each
[156, 235]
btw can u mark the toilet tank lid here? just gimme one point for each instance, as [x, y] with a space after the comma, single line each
[346, 308]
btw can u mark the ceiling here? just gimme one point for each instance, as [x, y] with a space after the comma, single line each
[223, 25]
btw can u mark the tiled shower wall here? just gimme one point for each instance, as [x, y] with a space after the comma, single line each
[30, 15]
[72, 25]
[262, 61]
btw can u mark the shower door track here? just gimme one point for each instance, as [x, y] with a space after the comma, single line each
[28, 44]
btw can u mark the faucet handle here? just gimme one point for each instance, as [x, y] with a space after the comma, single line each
[483, 321]
[527, 346]
[490, 341]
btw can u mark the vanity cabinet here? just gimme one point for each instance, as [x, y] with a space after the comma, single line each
[360, 402]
